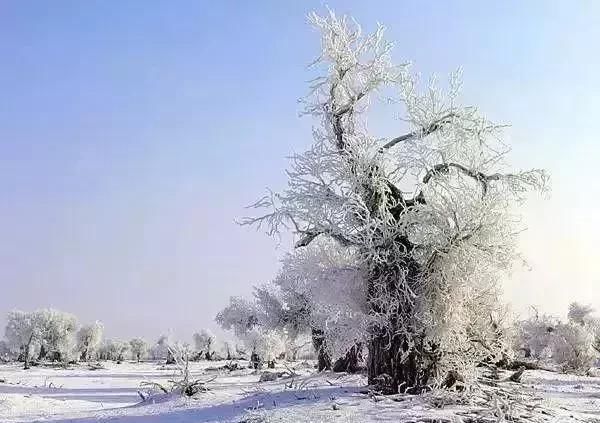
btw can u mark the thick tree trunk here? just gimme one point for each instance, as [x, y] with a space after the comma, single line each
[387, 372]
[170, 358]
[349, 363]
[396, 362]
[42, 353]
[323, 359]
[26, 354]
[255, 361]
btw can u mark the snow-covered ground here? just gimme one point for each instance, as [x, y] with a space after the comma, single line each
[111, 394]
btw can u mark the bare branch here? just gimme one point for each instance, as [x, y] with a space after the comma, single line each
[309, 236]
[479, 176]
[420, 133]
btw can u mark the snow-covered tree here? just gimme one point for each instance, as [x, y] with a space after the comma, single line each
[121, 349]
[580, 314]
[240, 350]
[5, 351]
[429, 212]
[321, 287]
[113, 349]
[299, 347]
[317, 292]
[227, 350]
[240, 316]
[204, 343]
[160, 350]
[21, 334]
[57, 331]
[580, 338]
[184, 349]
[254, 325]
[533, 336]
[139, 348]
[265, 346]
[89, 338]
[48, 331]
[573, 345]
[106, 350]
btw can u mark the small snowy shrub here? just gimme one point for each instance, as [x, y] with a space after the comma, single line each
[534, 336]
[181, 383]
[572, 347]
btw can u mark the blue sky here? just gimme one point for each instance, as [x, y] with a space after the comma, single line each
[132, 133]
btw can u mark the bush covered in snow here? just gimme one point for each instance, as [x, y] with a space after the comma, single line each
[572, 345]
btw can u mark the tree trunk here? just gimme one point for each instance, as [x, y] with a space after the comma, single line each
[27, 348]
[396, 362]
[57, 356]
[255, 361]
[323, 359]
[42, 353]
[386, 372]
[349, 363]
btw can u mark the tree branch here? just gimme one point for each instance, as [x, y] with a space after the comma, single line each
[345, 109]
[420, 133]
[309, 236]
[478, 176]
[453, 241]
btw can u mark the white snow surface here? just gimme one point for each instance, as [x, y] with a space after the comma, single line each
[79, 395]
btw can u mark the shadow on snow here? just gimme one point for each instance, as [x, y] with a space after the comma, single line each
[232, 410]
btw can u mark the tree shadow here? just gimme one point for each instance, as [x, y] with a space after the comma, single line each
[227, 411]
[101, 395]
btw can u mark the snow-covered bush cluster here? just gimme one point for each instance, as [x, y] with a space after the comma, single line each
[574, 344]
[54, 335]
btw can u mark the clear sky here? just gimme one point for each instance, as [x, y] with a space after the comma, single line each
[132, 133]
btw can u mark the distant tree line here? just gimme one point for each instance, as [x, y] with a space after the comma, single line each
[50, 335]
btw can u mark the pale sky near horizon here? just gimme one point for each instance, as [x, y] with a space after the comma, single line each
[132, 133]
